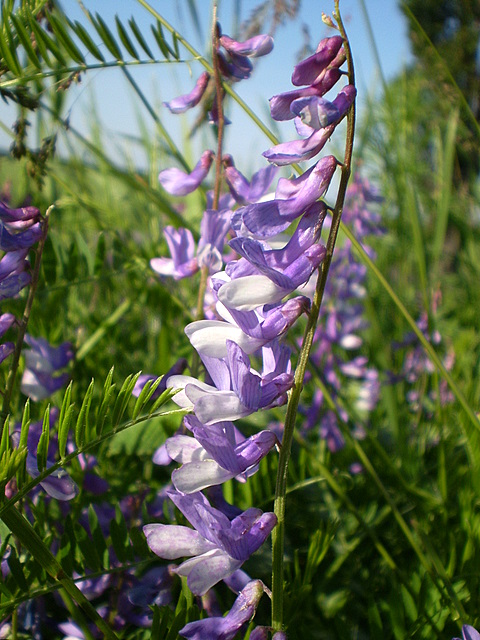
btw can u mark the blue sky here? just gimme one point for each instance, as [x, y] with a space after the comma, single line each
[119, 109]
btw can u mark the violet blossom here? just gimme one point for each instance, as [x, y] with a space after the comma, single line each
[218, 628]
[42, 362]
[469, 633]
[179, 183]
[184, 261]
[217, 545]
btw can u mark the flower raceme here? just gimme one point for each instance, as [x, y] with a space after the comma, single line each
[246, 365]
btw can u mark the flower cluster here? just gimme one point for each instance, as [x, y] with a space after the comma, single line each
[20, 229]
[241, 344]
[416, 367]
[337, 336]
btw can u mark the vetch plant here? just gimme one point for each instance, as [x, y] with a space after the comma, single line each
[253, 314]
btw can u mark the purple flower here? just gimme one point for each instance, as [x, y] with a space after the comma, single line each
[249, 329]
[318, 113]
[235, 65]
[20, 218]
[469, 633]
[309, 71]
[264, 275]
[240, 391]
[213, 230]
[179, 183]
[183, 103]
[183, 263]
[41, 362]
[245, 192]
[226, 628]
[215, 454]
[292, 199]
[255, 47]
[299, 150]
[217, 545]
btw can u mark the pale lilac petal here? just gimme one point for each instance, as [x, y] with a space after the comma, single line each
[184, 449]
[298, 150]
[6, 321]
[250, 292]
[185, 102]
[174, 541]
[195, 476]
[179, 183]
[6, 349]
[254, 47]
[280, 104]
[209, 337]
[204, 571]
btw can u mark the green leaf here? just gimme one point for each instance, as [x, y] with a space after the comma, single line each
[42, 449]
[145, 395]
[160, 38]
[35, 27]
[127, 43]
[100, 253]
[17, 570]
[107, 36]
[87, 549]
[84, 36]
[24, 429]
[49, 43]
[141, 41]
[5, 441]
[123, 398]
[64, 421]
[24, 38]
[106, 403]
[82, 426]
[62, 35]
[8, 54]
[119, 535]
[98, 537]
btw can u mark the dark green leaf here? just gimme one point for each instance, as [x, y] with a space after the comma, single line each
[84, 36]
[24, 38]
[107, 36]
[82, 426]
[42, 449]
[127, 43]
[63, 36]
[141, 40]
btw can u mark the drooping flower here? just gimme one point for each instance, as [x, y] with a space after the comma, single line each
[185, 102]
[215, 454]
[179, 183]
[42, 363]
[469, 633]
[184, 261]
[218, 546]
[226, 628]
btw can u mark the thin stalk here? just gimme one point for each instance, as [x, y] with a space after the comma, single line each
[22, 329]
[219, 95]
[278, 534]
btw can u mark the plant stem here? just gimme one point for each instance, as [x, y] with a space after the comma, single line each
[278, 534]
[22, 329]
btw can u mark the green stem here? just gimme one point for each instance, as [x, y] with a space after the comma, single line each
[278, 534]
